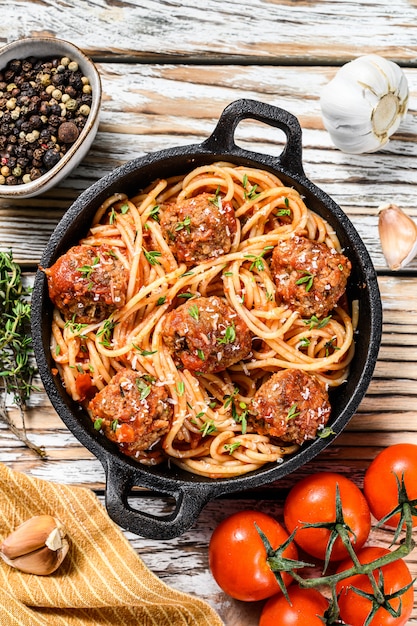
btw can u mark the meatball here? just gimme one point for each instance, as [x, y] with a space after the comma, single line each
[206, 335]
[131, 411]
[292, 405]
[198, 228]
[310, 277]
[87, 283]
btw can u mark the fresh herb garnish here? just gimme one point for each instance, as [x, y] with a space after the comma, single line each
[315, 322]
[185, 224]
[208, 428]
[87, 270]
[143, 388]
[231, 447]
[151, 256]
[106, 331]
[292, 412]
[194, 312]
[258, 259]
[229, 335]
[98, 423]
[16, 351]
[306, 280]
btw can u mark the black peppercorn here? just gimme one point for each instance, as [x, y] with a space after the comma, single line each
[50, 158]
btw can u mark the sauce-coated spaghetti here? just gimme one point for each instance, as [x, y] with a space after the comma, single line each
[204, 320]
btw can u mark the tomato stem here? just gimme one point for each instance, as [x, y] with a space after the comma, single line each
[378, 598]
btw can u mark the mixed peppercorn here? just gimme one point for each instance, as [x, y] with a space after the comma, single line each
[44, 105]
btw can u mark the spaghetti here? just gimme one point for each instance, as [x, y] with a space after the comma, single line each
[208, 425]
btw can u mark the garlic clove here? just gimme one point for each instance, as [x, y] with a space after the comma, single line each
[40, 562]
[38, 546]
[398, 236]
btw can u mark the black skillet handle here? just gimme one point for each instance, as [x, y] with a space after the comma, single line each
[189, 499]
[222, 138]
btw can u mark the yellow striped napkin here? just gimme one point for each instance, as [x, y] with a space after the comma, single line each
[102, 580]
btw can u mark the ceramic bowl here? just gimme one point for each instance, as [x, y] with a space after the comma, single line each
[45, 47]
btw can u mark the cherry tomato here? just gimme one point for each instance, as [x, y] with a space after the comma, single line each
[313, 500]
[354, 609]
[306, 608]
[380, 484]
[237, 556]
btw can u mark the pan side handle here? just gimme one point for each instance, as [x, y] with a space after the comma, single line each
[189, 501]
[222, 138]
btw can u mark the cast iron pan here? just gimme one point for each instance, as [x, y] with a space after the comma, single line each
[192, 492]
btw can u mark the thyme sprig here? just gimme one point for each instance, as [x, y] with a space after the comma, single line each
[16, 353]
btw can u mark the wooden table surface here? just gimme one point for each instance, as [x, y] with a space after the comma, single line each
[168, 69]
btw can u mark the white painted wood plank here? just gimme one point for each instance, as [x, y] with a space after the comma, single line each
[263, 28]
[165, 106]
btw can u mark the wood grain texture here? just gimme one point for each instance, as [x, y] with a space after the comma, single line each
[265, 30]
[168, 70]
[164, 106]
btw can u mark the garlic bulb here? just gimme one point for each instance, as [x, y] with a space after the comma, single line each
[38, 546]
[398, 235]
[364, 104]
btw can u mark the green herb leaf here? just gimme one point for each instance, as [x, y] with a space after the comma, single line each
[185, 224]
[231, 447]
[229, 335]
[315, 322]
[307, 280]
[151, 256]
[16, 350]
[98, 423]
[143, 388]
[292, 412]
[208, 428]
[194, 312]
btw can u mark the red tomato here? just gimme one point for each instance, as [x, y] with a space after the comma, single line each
[125, 434]
[313, 500]
[354, 609]
[237, 556]
[380, 484]
[83, 385]
[307, 605]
